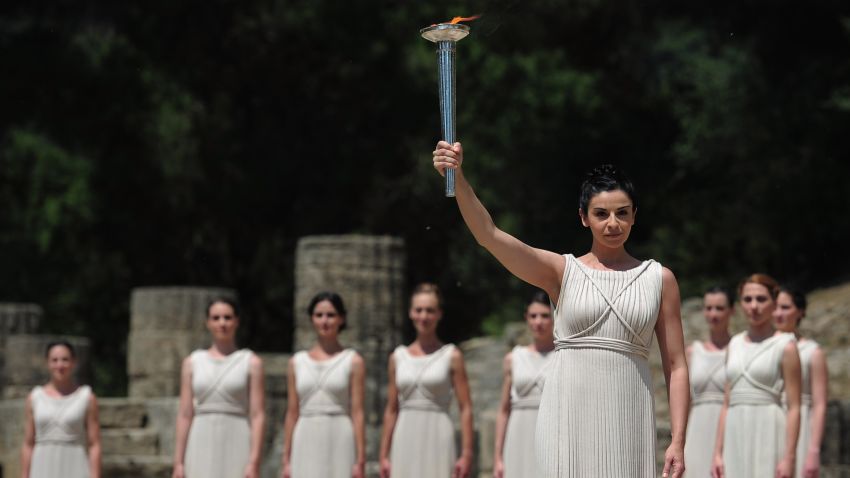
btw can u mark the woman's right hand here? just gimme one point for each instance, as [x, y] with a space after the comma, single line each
[286, 472]
[498, 468]
[447, 156]
[385, 468]
[178, 472]
[717, 470]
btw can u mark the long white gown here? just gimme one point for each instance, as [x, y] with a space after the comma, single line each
[323, 439]
[60, 434]
[754, 439]
[423, 444]
[597, 415]
[806, 348]
[708, 381]
[528, 376]
[219, 443]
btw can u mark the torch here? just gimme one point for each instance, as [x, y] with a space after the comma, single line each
[446, 36]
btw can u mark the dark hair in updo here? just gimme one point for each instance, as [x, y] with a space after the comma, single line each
[605, 178]
[60, 343]
[539, 297]
[797, 297]
[730, 296]
[335, 301]
[224, 300]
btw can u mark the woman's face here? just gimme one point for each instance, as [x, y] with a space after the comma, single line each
[757, 303]
[60, 363]
[425, 313]
[222, 321]
[786, 316]
[610, 217]
[717, 310]
[326, 319]
[539, 320]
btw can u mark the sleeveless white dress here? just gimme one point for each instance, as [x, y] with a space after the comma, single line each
[708, 381]
[60, 434]
[423, 443]
[323, 439]
[219, 444]
[754, 439]
[806, 348]
[597, 416]
[528, 375]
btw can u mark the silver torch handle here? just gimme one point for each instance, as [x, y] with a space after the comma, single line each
[446, 86]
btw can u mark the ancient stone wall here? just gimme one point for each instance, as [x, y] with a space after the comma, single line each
[166, 325]
[16, 318]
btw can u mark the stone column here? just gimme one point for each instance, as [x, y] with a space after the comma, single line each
[16, 318]
[26, 366]
[368, 272]
[166, 324]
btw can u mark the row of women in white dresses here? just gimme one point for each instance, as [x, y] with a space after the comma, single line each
[754, 435]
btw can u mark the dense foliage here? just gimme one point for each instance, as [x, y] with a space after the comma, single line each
[186, 142]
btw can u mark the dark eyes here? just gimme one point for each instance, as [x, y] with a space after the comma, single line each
[225, 317]
[760, 299]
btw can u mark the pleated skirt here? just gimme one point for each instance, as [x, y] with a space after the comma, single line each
[219, 446]
[596, 416]
[518, 451]
[701, 439]
[754, 440]
[56, 460]
[423, 445]
[323, 447]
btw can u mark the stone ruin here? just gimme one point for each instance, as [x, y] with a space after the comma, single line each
[166, 324]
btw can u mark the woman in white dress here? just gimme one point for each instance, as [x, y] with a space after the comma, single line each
[597, 413]
[61, 431]
[418, 438]
[790, 310]
[324, 412]
[524, 375]
[706, 363]
[221, 416]
[756, 436]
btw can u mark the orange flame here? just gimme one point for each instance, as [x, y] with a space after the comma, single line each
[456, 20]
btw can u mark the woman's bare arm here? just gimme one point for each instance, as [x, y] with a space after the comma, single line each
[390, 417]
[256, 411]
[460, 382]
[502, 417]
[819, 378]
[358, 386]
[292, 414]
[29, 439]
[93, 437]
[791, 374]
[538, 267]
[185, 414]
[671, 343]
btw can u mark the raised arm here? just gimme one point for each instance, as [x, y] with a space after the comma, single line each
[257, 415]
[390, 417]
[185, 413]
[29, 439]
[291, 419]
[819, 377]
[791, 375]
[93, 437]
[358, 385]
[460, 382]
[502, 418]
[671, 343]
[538, 267]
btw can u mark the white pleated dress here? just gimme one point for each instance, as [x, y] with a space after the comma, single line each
[528, 376]
[708, 381]
[597, 414]
[323, 439]
[806, 347]
[754, 439]
[423, 443]
[60, 434]
[219, 444]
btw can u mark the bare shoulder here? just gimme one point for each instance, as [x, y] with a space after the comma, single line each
[357, 360]
[256, 361]
[457, 356]
[667, 276]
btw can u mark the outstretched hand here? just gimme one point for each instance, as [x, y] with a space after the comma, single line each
[447, 156]
[674, 462]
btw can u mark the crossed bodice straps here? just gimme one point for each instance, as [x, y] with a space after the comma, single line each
[528, 376]
[755, 377]
[424, 382]
[221, 385]
[323, 386]
[708, 375]
[60, 419]
[647, 299]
